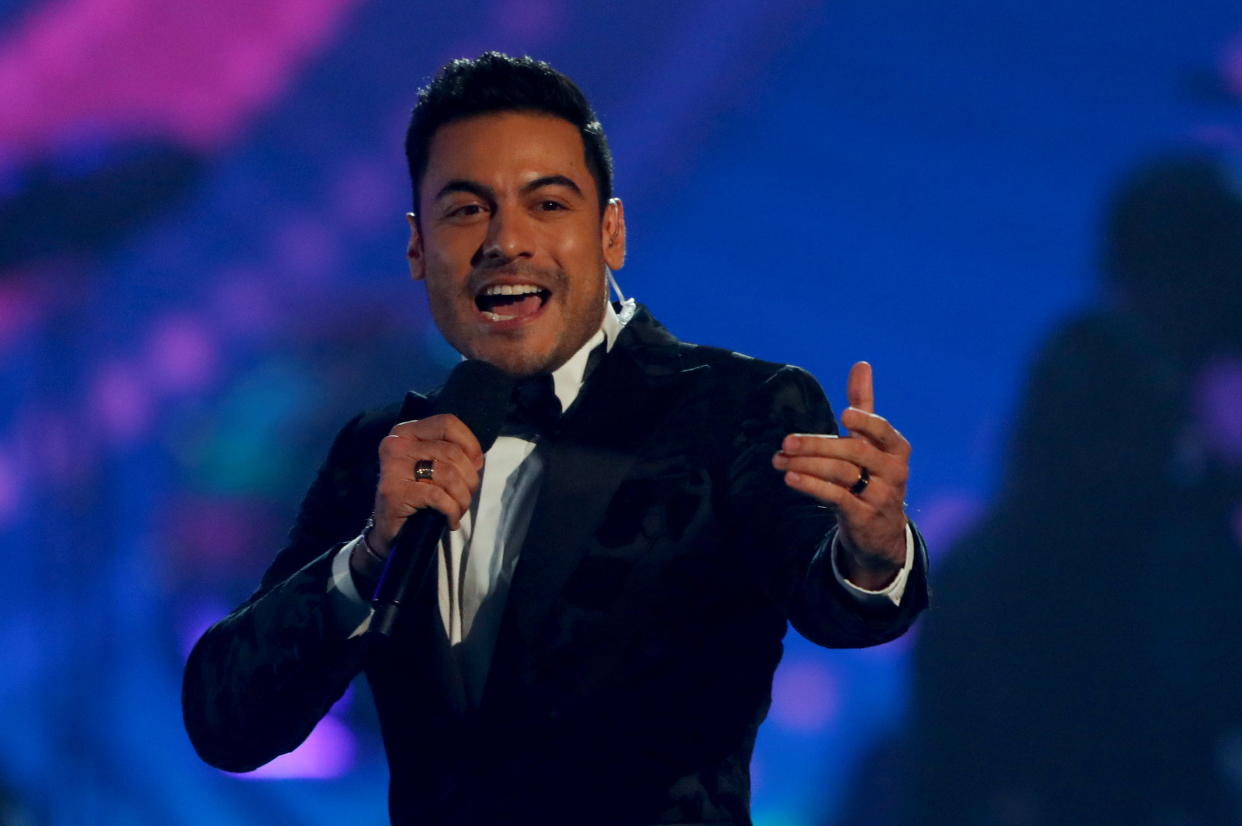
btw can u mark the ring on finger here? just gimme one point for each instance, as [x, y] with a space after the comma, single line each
[864, 479]
[425, 470]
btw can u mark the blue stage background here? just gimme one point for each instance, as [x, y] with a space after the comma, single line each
[202, 277]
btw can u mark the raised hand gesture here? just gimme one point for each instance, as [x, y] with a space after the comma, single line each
[863, 477]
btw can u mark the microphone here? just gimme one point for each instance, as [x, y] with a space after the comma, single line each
[477, 393]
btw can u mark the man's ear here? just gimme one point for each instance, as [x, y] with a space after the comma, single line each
[613, 234]
[414, 250]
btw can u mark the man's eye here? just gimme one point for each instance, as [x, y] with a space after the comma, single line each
[551, 206]
[465, 210]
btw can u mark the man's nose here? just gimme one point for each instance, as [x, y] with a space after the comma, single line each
[508, 238]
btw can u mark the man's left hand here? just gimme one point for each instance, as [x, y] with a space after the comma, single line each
[863, 477]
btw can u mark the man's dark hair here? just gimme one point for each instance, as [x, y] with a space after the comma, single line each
[495, 82]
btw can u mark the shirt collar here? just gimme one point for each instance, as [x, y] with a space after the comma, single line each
[567, 379]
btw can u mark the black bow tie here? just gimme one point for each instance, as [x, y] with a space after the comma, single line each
[534, 409]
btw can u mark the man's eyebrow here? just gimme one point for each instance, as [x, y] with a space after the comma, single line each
[463, 185]
[551, 180]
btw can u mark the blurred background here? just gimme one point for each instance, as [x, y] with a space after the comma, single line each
[1025, 215]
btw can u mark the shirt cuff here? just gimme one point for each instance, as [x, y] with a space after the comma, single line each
[352, 611]
[891, 593]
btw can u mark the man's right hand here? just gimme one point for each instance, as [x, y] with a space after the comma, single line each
[457, 456]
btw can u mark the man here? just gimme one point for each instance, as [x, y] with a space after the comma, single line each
[599, 642]
[1147, 703]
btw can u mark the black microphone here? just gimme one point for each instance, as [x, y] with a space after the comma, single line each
[477, 393]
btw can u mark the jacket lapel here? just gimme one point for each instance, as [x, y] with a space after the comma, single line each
[634, 388]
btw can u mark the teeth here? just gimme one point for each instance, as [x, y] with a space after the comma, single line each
[511, 289]
[497, 316]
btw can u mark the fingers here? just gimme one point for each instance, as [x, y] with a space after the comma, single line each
[446, 492]
[444, 427]
[828, 468]
[877, 430]
[457, 459]
[871, 521]
[836, 471]
[401, 454]
[449, 478]
[859, 452]
[852, 508]
[839, 474]
[858, 389]
[397, 499]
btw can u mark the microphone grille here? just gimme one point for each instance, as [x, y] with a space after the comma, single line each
[477, 393]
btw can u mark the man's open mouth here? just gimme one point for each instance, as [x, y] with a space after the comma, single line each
[506, 302]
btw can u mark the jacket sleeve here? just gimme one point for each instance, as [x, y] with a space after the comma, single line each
[791, 534]
[259, 680]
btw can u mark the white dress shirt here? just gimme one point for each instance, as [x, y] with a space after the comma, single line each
[476, 561]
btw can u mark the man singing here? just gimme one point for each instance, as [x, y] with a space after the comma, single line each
[597, 641]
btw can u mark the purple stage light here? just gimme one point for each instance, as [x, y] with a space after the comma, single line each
[182, 353]
[805, 696]
[944, 520]
[243, 303]
[1231, 65]
[58, 451]
[210, 536]
[201, 615]
[19, 310]
[328, 752]
[10, 491]
[120, 400]
[1218, 409]
[1216, 136]
[368, 195]
[48, 447]
[347, 699]
[530, 20]
[200, 81]
[307, 249]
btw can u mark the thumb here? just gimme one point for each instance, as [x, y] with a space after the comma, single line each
[858, 390]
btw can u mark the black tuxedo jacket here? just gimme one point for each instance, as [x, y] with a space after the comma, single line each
[641, 631]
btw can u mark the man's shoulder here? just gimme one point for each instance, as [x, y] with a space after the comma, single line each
[731, 361]
[651, 341]
[380, 418]
[369, 426]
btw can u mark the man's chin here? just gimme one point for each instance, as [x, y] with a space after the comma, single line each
[528, 351]
[519, 362]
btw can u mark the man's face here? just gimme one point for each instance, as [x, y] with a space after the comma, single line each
[510, 240]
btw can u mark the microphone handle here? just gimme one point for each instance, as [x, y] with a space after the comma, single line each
[411, 559]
